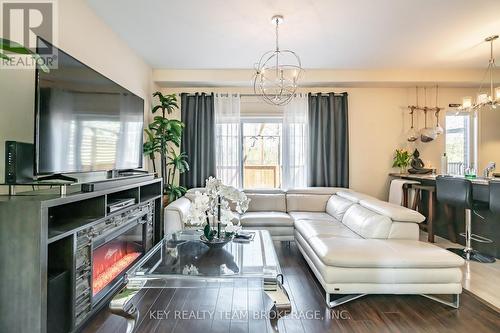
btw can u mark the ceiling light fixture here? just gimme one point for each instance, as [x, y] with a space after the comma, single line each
[277, 72]
[483, 99]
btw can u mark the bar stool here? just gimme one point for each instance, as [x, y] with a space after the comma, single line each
[431, 204]
[406, 194]
[457, 192]
[495, 196]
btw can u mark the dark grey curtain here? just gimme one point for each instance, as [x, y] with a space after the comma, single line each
[198, 139]
[328, 140]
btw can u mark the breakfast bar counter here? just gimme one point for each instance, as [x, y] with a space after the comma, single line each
[484, 223]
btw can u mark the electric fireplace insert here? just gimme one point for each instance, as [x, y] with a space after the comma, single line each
[106, 251]
[112, 258]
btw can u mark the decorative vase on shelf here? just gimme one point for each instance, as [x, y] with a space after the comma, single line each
[401, 160]
[211, 208]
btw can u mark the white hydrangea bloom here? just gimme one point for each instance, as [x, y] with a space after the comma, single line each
[226, 215]
[206, 204]
[197, 211]
[232, 228]
[190, 270]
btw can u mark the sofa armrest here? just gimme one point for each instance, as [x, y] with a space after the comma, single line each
[404, 230]
[175, 213]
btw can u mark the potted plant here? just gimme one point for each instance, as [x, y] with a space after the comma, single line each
[212, 209]
[402, 159]
[163, 135]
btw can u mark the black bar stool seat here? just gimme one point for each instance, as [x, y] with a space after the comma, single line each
[457, 192]
[495, 196]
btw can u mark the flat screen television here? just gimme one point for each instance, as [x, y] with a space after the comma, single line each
[84, 121]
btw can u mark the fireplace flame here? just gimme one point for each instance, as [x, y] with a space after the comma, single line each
[110, 260]
[102, 279]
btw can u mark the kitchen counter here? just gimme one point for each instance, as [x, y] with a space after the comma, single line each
[488, 225]
[477, 180]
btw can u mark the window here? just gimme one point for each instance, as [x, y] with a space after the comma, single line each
[229, 152]
[262, 145]
[458, 142]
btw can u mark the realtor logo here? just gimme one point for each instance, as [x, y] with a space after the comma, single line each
[22, 23]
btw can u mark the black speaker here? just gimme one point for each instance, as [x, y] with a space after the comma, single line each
[18, 162]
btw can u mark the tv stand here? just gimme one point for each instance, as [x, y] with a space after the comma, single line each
[58, 176]
[46, 243]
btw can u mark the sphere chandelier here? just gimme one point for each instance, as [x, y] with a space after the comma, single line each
[277, 72]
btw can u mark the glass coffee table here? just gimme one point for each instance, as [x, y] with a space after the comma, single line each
[181, 260]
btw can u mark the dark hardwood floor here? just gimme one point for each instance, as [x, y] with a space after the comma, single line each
[237, 309]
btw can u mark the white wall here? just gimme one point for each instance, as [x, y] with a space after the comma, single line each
[489, 139]
[378, 123]
[85, 36]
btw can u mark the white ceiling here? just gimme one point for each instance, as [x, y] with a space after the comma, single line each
[354, 34]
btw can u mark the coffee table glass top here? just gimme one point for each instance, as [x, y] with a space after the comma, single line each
[184, 257]
[181, 260]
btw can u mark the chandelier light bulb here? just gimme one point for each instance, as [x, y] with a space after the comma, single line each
[467, 102]
[497, 93]
[482, 98]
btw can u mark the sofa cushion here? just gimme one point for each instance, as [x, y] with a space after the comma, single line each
[306, 202]
[395, 212]
[266, 219]
[315, 216]
[266, 202]
[354, 196]
[264, 191]
[337, 206]
[376, 275]
[331, 228]
[315, 190]
[367, 223]
[191, 192]
[390, 253]
[404, 230]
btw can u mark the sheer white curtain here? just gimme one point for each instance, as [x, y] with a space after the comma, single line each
[227, 139]
[295, 142]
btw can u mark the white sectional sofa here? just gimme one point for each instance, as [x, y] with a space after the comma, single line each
[355, 244]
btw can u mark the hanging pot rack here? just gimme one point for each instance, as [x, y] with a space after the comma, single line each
[413, 135]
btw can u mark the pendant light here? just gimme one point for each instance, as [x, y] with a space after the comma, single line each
[427, 134]
[277, 72]
[492, 100]
[439, 129]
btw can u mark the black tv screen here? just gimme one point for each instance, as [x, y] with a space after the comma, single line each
[85, 121]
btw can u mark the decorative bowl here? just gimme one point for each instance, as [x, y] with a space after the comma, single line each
[216, 243]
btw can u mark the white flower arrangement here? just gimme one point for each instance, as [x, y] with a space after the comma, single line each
[214, 204]
[190, 270]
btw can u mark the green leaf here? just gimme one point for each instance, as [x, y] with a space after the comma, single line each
[158, 94]
[13, 47]
[156, 108]
[207, 231]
